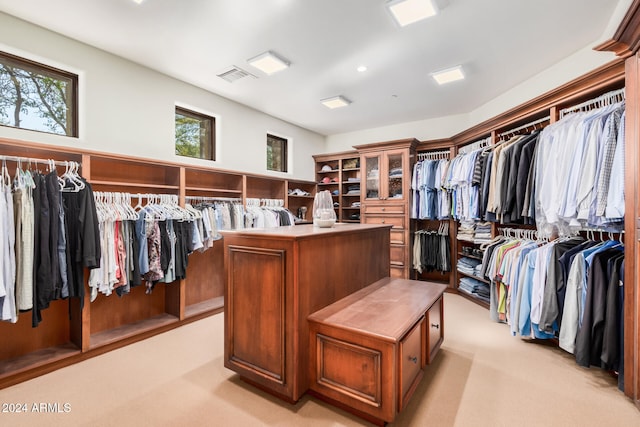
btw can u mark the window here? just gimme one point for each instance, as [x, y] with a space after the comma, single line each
[37, 97]
[195, 134]
[276, 153]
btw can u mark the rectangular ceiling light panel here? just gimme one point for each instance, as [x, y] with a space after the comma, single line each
[449, 75]
[335, 102]
[409, 11]
[269, 63]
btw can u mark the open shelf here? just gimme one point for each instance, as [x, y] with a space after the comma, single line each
[130, 330]
[480, 279]
[209, 306]
[36, 359]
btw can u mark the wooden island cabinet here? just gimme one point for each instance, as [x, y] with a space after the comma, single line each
[275, 278]
[369, 349]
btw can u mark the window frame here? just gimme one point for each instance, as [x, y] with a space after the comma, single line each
[285, 152]
[211, 140]
[54, 72]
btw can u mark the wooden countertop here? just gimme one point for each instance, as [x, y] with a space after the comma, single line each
[304, 231]
[376, 309]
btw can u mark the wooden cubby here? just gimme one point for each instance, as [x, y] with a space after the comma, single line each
[296, 201]
[206, 269]
[264, 188]
[69, 333]
[342, 169]
[207, 183]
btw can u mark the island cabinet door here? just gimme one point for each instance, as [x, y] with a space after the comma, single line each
[257, 346]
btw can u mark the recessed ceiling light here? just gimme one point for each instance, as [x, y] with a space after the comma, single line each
[268, 62]
[138, 1]
[409, 11]
[335, 102]
[449, 75]
[362, 68]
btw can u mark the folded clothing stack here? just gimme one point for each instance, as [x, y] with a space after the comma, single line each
[468, 265]
[353, 190]
[475, 287]
[466, 231]
[483, 233]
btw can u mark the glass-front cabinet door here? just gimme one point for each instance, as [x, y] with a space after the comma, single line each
[371, 169]
[394, 176]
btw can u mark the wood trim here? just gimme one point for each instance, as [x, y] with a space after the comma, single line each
[626, 39]
[632, 212]
[334, 156]
[434, 144]
[388, 145]
[619, 48]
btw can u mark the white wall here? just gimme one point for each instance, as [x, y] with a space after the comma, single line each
[129, 109]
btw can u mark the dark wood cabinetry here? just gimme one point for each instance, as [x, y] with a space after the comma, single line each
[339, 173]
[369, 349]
[275, 279]
[386, 195]
[69, 333]
[300, 194]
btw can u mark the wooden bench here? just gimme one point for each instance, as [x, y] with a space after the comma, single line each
[368, 350]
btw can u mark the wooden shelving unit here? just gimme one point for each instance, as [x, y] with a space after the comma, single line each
[344, 177]
[69, 333]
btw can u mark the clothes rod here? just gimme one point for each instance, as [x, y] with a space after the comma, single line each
[533, 123]
[212, 199]
[434, 155]
[39, 161]
[475, 145]
[609, 98]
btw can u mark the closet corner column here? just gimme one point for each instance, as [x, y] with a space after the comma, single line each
[80, 310]
[632, 230]
[175, 295]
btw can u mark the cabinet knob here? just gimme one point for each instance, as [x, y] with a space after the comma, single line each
[383, 221]
[383, 209]
[413, 359]
[433, 325]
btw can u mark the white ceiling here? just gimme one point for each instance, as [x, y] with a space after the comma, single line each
[500, 43]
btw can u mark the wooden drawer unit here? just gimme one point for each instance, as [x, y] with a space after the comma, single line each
[398, 237]
[397, 272]
[384, 209]
[395, 221]
[434, 330]
[398, 255]
[368, 350]
[411, 362]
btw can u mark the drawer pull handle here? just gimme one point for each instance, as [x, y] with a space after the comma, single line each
[413, 359]
[434, 325]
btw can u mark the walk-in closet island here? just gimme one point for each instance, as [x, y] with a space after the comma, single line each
[275, 279]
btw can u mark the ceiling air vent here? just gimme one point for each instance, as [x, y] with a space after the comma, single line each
[234, 73]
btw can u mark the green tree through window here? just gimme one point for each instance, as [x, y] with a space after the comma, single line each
[194, 134]
[37, 97]
[276, 153]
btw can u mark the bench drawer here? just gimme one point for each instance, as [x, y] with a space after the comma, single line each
[434, 330]
[410, 357]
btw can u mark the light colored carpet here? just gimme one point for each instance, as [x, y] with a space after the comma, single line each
[482, 377]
